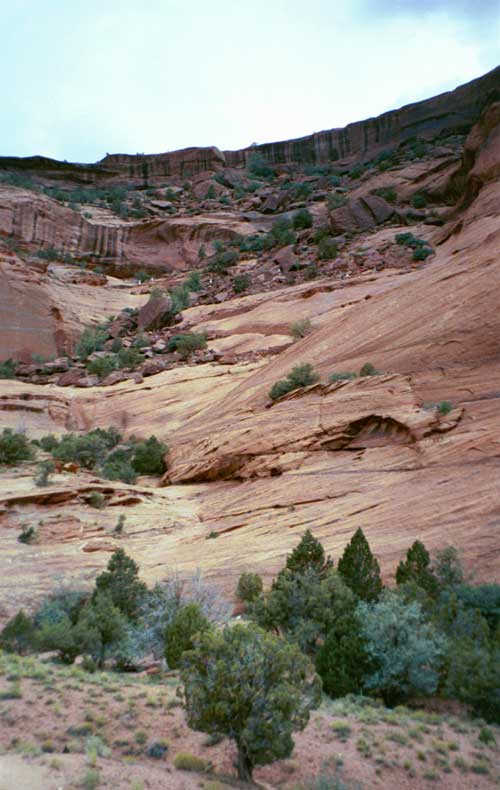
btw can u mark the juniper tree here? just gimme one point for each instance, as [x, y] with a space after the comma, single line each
[416, 568]
[309, 554]
[251, 686]
[360, 569]
[18, 634]
[180, 632]
[249, 587]
[120, 581]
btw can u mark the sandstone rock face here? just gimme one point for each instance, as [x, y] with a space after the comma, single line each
[452, 111]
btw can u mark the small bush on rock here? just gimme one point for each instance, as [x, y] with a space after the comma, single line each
[185, 344]
[300, 376]
[302, 219]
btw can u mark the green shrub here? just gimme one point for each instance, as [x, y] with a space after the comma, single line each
[387, 193]
[117, 466]
[407, 239]
[419, 200]
[102, 366]
[300, 376]
[44, 470]
[249, 587]
[193, 281]
[422, 253]
[281, 233]
[357, 172]
[342, 376]
[129, 358]
[258, 167]
[336, 200]
[240, 283]
[97, 500]
[90, 780]
[28, 534]
[184, 761]
[90, 340]
[87, 450]
[8, 369]
[311, 271]
[300, 328]
[14, 448]
[368, 370]
[148, 455]
[223, 261]
[327, 248]
[142, 276]
[444, 407]
[49, 254]
[180, 632]
[302, 219]
[185, 344]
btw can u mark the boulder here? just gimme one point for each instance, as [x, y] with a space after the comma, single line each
[71, 377]
[285, 258]
[359, 214]
[155, 313]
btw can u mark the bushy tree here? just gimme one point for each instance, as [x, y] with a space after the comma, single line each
[68, 639]
[360, 569]
[342, 661]
[303, 607]
[447, 569]
[147, 458]
[87, 450]
[18, 635]
[180, 632]
[249, 587]
[251, 686]
[100, 625]
[121, 582]
[473, 669]
[407, 651]
[417, 568]
[14, 448]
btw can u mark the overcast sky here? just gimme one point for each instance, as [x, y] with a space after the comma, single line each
[80, 79]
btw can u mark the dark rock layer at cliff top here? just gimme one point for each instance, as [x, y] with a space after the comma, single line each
[448, 113]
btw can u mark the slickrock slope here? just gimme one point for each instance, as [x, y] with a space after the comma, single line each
[245, 477]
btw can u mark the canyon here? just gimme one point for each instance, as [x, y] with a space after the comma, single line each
[246, 475]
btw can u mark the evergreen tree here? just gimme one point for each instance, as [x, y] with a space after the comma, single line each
[253, 687]
[416, 568]
[309, 554]
[303, 606]
[342, 661]
[360, 569]
[249, 587]
[122, 584]
[100, 625]
[180, 632]
[406, 650]
[18, 634]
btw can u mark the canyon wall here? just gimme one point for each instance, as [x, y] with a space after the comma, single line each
[449, 113]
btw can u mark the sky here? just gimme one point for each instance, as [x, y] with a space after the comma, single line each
[81, 79]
